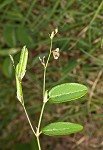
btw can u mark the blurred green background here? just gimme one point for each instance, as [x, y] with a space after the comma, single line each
[80, 24]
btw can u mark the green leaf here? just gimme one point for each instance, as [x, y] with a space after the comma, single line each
[19, 90]
[20, 72]
[24, 36]
[61, 128]
[10, 36]
[21, 66]
[6, 52]
[7, 67]
[67, 92]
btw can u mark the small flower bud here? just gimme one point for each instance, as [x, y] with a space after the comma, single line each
[42, 60]
[52, 35]
[56, 30]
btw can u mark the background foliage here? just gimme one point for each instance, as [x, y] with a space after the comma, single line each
[80, 24]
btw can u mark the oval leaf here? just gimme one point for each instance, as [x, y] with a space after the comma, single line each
[61, 128]
[67, 92]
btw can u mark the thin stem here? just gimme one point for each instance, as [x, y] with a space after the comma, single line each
[38, 128]
[28, 119]
[41, 114]
[45, 68]
[44, 81]
[49, 53]
[44, 89]
[38, 143]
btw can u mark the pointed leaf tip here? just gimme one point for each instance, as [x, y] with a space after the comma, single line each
[20, 72]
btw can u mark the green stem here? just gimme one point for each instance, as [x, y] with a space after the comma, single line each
[28, 119]
[44, 89]
[38, 143]
[45, 68]
[44, 81]
[38, 128]
[41, 115]
[49, 54]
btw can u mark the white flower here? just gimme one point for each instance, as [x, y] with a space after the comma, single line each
[56, 53]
